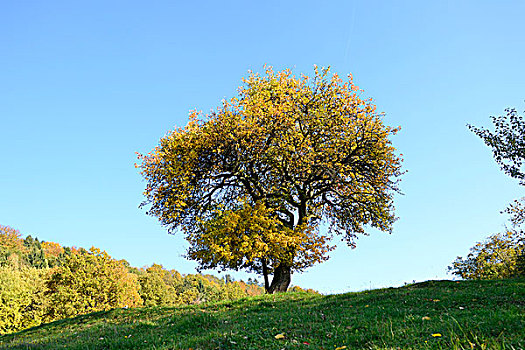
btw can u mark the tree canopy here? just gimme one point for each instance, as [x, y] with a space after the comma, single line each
[507, 142]
[90, 281]
[508, 148]
[501, 255]
[250, 183]
[44, 281]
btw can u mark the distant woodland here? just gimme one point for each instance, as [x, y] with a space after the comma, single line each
[45, 281]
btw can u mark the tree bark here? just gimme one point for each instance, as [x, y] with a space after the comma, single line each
[281, 279]
[265, 274]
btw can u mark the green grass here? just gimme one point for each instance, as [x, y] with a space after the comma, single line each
[466, 315]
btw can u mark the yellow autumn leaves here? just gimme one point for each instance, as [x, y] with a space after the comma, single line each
[281, 336]
[251, 182]
[242, 237]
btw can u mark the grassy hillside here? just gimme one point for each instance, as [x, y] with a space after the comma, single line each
[429, 315]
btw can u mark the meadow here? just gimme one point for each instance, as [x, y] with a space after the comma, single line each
[478, 314]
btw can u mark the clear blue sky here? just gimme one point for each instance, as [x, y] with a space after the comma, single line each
[83, 85]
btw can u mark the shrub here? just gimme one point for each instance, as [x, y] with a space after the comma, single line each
[301, 290]
[500, 256]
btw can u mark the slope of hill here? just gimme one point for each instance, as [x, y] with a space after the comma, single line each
[429, 315]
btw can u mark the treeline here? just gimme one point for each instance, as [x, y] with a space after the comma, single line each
[44, 281]
[501, 255]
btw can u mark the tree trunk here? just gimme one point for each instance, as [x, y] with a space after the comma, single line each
[265, 274]
[281, 279]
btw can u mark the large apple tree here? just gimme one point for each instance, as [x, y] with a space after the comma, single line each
[251, 183]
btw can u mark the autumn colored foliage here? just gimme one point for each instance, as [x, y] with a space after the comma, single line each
[90, 281]
[43, 281]
[500, 256]
[250, 183]
[10, 241]
[22, 300]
